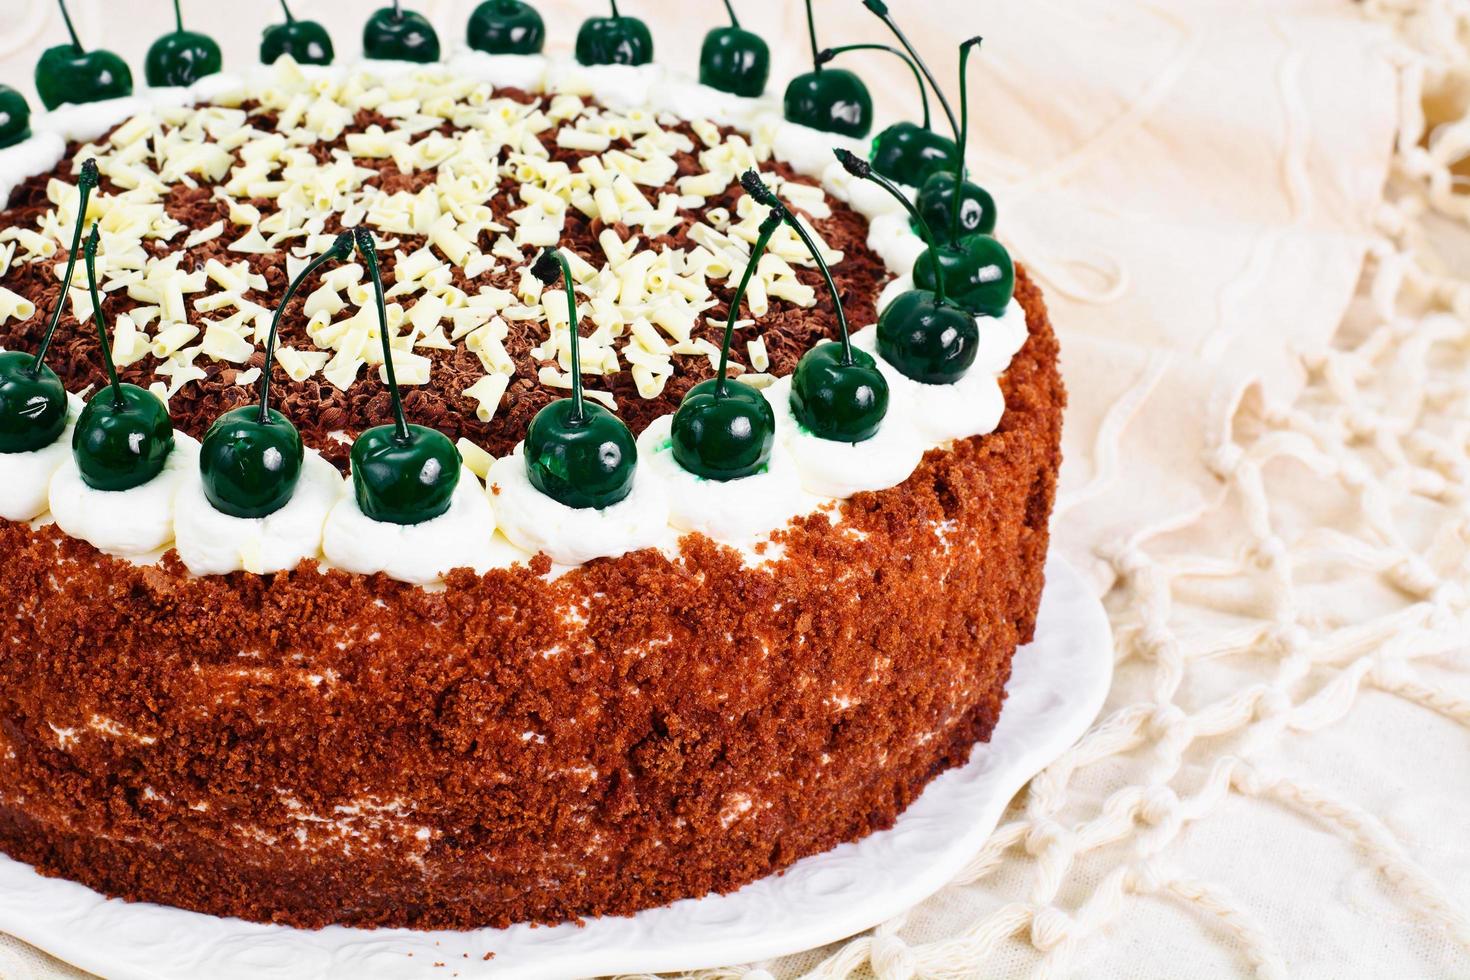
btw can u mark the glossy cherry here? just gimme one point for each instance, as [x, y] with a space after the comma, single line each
[577, 452]
[615, 40]
[401, 473]
[936, 199]
[976, 268]
[951, 206]
[837, 391]
[33, 401]
[936, 205]
[506, 27]
[15, 117]
[906, 152]
[725, 429]
[181, 57]
[71, 73]
[978, 271]
[921, 332]
[833, 100]
[395, 34]
[123, 437]
[306, 41]
[735, 60]
[251, 458]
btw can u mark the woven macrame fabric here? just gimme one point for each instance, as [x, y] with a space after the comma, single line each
[1252, 220]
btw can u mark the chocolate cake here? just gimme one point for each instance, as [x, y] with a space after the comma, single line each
[546, 699]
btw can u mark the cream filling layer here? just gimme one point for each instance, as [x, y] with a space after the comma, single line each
[667, 501]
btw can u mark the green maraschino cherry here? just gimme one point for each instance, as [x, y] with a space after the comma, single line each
[401, 473]
[32, 398]
[906, 152]
[251, 458]
[921, 333]
[952, 206]
[15, 117]
[944, 188]
[306, 41]
[506, 27]
[833, 100]
[123, 437]
[577, 452]
[837, 391]
[395, 34]
[181, 57]
[615, 40]
[977, 268]
[71, 73]
[735, 60]
[724, 429]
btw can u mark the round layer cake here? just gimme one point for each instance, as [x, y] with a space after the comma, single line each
[510, 712]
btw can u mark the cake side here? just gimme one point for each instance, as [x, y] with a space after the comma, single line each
[311, 748]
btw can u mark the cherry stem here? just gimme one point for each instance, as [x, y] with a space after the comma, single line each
[66, 17]
[178, 18]
[287, 10]
[369, 252]
[831, 53]
[91, 263]
[864, 170]
[340, 249]
[576, 338]
[811, 30]
[811, 246]
[734, 21]
[768, 228]
[84, 191]
[881, 9]
[959, 170]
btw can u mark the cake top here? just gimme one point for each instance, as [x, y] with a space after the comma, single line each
[206, 213]
[449, 274]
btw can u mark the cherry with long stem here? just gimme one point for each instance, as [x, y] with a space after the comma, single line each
[880, 8]
[829, 54]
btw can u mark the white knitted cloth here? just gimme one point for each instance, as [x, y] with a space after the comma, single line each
[1268, 467]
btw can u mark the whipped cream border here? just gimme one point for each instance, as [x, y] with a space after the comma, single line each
[473, 533]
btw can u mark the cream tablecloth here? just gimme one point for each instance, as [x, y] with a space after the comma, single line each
[1250, 220]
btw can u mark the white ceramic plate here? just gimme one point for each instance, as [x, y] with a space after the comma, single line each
[1057, 688]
